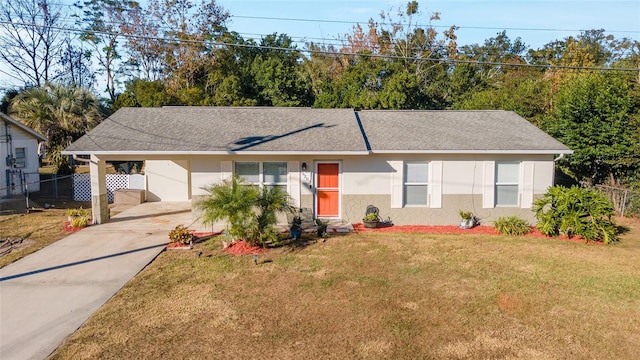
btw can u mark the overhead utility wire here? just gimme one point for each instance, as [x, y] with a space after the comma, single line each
[403, 24]
[337, 41]
[422, 25]
[310, 51]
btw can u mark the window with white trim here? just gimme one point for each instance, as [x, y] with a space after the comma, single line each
[416, 184]
[269, 174]
[21, 157]
[507, 183]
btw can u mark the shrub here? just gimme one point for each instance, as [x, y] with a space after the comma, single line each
[180, 234]
[512, 225]
[79, 221]
[576, 211]
[249, 211]
[231, 200]
[80, 212]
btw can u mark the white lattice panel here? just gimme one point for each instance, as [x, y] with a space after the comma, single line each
[82, 185]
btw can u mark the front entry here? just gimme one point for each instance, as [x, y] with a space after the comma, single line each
[328, 190]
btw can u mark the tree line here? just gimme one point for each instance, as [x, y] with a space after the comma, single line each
[584, 90]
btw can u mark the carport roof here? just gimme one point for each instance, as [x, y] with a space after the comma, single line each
[273, 130]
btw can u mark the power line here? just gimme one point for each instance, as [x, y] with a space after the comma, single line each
[340, 42]
[423, 25]
[403, 23]
[326, 52]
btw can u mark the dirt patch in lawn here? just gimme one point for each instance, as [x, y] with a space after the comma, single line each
[22, 234]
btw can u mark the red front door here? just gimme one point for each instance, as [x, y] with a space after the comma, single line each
[328, 190]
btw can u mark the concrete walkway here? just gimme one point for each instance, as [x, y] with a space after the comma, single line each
[47, 295]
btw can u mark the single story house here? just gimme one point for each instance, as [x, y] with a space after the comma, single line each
[19, 160]
[417, 167]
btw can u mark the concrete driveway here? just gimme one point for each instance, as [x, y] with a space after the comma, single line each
[46, 296]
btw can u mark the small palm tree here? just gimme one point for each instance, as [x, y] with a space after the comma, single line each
[250, 212]
[272, 200]
[231, 200]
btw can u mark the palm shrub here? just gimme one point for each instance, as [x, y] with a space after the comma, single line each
[576, 211]
[231, 200]
[272, 200]
[250, 212]
[511, 225]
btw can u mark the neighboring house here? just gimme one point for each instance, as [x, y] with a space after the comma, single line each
[19, 160]
[417, 167]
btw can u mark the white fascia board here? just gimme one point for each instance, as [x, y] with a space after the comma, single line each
[172, 153]
[511, 152]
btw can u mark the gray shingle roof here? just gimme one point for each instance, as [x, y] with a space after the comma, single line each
[306, 130]
[224, 129]
[481, 130]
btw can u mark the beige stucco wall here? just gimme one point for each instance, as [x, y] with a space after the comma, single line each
[365, 180]
[354, 207]
[168, 180]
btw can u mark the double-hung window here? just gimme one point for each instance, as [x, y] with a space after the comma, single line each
[416, 183]
[263, 174]
[507, 183]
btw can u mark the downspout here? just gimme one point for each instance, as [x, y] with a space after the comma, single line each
[554, 167]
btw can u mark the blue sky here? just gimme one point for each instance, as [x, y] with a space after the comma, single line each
[620, 18]
[535, 22]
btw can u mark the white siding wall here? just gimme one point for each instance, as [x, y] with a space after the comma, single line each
[20, 139]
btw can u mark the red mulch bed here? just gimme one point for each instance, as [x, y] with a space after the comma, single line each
[178, 246]
[244, 248]
[69, 228]
[205, 234]
[433, 229]
[453, 229]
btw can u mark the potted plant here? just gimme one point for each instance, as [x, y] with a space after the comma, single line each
[296, 227]
[467, 219]
[371, 220]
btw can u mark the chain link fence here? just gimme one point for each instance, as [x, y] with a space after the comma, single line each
[53, 187]
[626, 202]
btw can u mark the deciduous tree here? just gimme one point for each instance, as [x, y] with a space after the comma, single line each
[30, 43]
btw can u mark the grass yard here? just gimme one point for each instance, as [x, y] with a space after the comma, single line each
[33, 231]
[378, 295]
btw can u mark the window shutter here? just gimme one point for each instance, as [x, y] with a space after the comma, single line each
[528, 169]
[226, 170]
[488, 184]
[397, 179]
[293, 182]
[435, 184]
